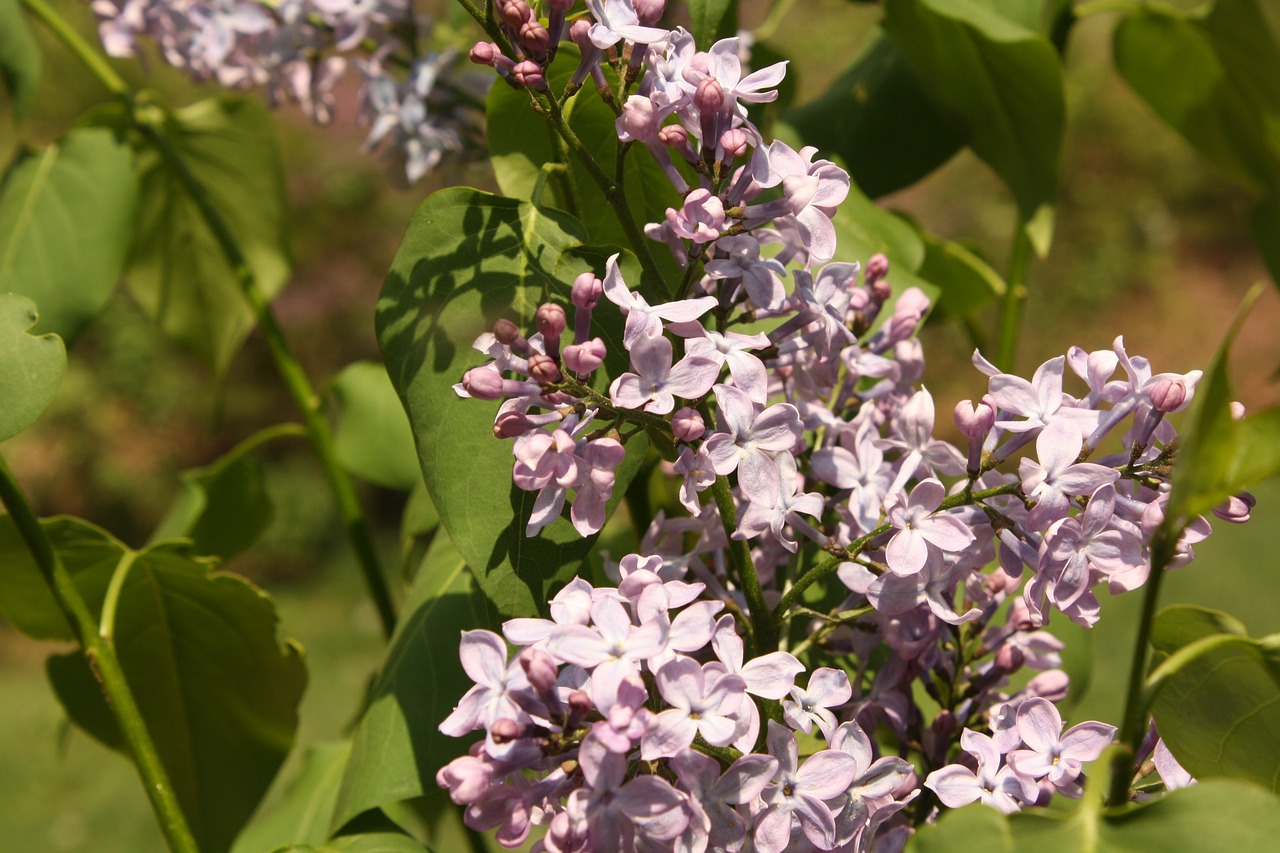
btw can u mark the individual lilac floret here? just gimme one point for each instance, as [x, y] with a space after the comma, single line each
[919, 528]
[616, 20]
[656, 382]
[798, 793]
[1052, 754]
[993, 783]
[714, 796]
[698, 706]
[747, 440]
[828, 688]
[643, 319]
[1057, 476]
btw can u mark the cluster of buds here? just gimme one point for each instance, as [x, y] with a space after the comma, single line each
[300, 50]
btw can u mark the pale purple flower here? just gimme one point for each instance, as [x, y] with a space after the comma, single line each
[798, 793]
[874, 780]
[618, 816]
[1173, 774]
[934, 585]
[656, 383]
[761, 277]
[828, 688]
[484, 659]
[1040, 401]
[1076, 546]
[1051, 753]
[700, 218]
[919, 528]
[759, 518]
[748, 441]
[769, 676]
[644, 320]
[993, 783]
[714, 796]
[915, 438]
[614, 640]
[811, 191]
[616, 20]
[1057, 476]
[733, 349]
[699, 705]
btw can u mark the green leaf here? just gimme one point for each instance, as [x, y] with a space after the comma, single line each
[20, 58]
[1183, 624]
[521, 141]
[178, 272]
[712, 20]
[967, 283]
[81, 188]
[997, 82]
[467, 259]
[1212, 817]
[1217, 703]
[1213, 79]
[373, 439]
[89, 555]
[1220, 456]
[31, 367]
[217, 690]
[224, 507]
[398, 747]
[1264, 227]
[377, 842]
[304, 814]
[877, 119]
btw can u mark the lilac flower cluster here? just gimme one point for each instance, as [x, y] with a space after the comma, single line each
[300, 50]
[823, 513]
[612, 679]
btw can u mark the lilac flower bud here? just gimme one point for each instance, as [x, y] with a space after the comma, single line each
[586, 357]
[508, 333]
[585, 295]
[535, 39]
[511, 425]
[551, 322]
[639, 119]
[1169, 394]
[484, 383]
[514, 14]
[877, 268]
[1050, 684]
[543, 369]
[505, 730]
[1010, 658]
[709, 98]
[1237, 508]
[579, 33]
[975, 422]
[483, 53]
[579, 706]
[688, 425]
[529, 74]
[650, 11]
[734, 143]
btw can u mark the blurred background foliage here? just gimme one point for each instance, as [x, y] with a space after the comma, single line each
[1150, 243]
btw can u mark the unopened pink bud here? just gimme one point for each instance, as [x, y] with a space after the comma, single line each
[1169, 394]
[551, 320]
[974, 421]
[483, 53]
[585, 357]
[505, 730]
[543, 369]
[587, 290]
[877, 268]
[578, 32]
[579, 705]
[1237, 508]
[1010, 658]
[650, 11]
[484, 383]
[511, 425]
[541, 671]
[639, 117]
[515, 13]
[506, 331]
[535, 38]
[1051, 684]
[709, 97]
[673, 135]
[688, 425]
[529, 75]
[734, 142]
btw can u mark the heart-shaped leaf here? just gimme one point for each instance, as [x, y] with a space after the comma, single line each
[31, 366]
[83, 188]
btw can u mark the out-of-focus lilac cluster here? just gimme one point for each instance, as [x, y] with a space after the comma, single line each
[631, 720]
[300, 50]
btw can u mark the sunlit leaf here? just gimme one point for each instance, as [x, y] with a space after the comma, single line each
[966, 283]
[31, 366]
[1000, 83]
[218, 691]
[82, 188]
[373, 438]
[712, 20]
[179, 272]
[467, 259]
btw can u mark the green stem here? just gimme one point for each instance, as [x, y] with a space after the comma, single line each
[614, 194]
[91, 58]
[1015, 299]
[1134, 725]
[112, 600]
[763, 629]
[102, 660]
[295, 379]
